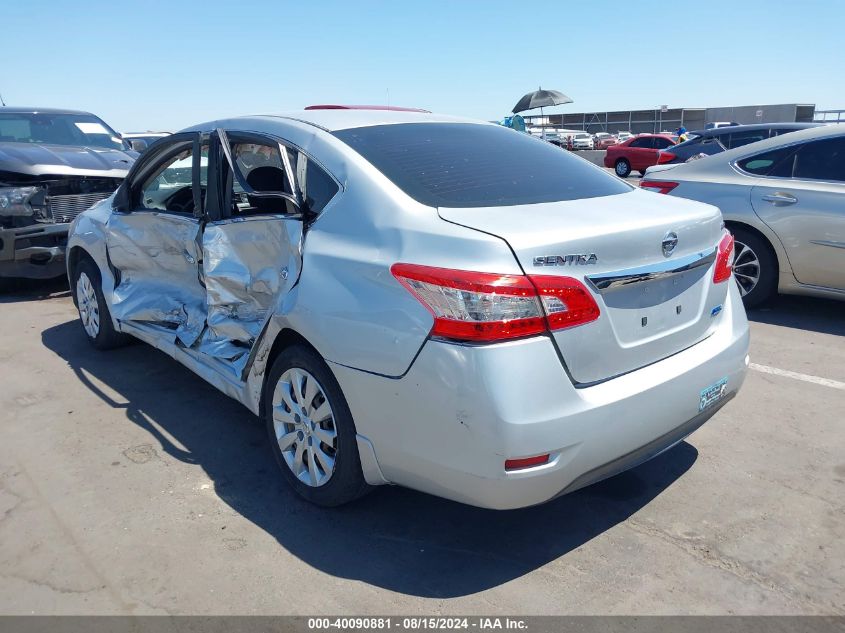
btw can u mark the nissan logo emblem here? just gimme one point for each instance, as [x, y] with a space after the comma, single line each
[670, 241]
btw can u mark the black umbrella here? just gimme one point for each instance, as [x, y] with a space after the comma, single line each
[541, 99]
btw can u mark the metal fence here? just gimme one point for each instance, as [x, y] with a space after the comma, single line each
[829, 116]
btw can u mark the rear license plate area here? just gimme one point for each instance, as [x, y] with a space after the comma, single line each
[712, 394]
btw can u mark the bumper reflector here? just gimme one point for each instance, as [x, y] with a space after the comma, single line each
[526, 462]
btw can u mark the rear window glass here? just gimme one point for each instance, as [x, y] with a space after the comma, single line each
[319, 188]
[472, 165]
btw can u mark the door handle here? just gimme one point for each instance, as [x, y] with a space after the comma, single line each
[780, 198]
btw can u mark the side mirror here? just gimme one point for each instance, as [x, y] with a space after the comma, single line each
[121, 198]
[138, 144]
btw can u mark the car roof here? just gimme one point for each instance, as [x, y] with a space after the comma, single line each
[337, 106]
[24, 110]
[333, 120]
[730, 129]
[329, 120]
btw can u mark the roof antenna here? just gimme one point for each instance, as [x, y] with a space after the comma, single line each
[1, 100]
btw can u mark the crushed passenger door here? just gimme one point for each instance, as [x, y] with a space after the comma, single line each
[250, 264]
[252, 247]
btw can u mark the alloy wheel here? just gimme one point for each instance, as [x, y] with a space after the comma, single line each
[304, 424]
[89, 307]
[746, 268]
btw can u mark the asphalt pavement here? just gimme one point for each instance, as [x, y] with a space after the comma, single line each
[129, 485]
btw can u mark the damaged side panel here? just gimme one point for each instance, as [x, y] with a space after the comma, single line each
[157, 257]
[248, 264]
[213, 295]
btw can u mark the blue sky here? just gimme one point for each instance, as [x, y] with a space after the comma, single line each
[166, 65]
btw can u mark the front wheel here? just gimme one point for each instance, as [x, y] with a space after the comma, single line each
[312, 434]
[755, 268]
[622, 168]
[93, 311]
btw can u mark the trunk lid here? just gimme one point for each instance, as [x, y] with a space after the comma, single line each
[652, 305]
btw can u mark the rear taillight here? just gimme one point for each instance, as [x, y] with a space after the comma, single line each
[566, 301]
[665, 157]
[724, 259]
[658, 186]
[472, 306]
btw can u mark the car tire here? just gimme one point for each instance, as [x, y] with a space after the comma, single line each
[642, 173]
[94, 314]
[755, 267]
[303, 443]
[622, 168]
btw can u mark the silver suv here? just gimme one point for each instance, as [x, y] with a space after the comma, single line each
[421, 300]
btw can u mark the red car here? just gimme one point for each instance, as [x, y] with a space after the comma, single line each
[604, 140]
[636, 153]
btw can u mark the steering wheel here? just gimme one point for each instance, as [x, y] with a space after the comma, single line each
[181, 201]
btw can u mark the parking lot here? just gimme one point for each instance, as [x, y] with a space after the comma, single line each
[129, 485]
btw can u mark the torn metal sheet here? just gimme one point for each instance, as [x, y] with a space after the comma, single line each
[236, 356]
[157, 256]
[248, 264]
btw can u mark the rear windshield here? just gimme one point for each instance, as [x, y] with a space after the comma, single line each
[472, 165]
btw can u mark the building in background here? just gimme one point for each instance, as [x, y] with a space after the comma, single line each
[669, 119]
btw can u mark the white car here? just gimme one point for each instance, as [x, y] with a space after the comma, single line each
[624, 136]
[717, 124]
[583, 140]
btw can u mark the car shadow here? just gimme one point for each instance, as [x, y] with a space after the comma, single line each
[394, 538]
[15, 290]
[825, 316]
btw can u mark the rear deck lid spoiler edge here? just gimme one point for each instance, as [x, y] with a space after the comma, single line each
[606, 282]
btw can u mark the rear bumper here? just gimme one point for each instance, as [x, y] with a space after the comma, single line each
[648, 451]
[33, 252]
[448, 425]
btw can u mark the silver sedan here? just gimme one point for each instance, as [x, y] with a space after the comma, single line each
[784, 201]
[414, 299]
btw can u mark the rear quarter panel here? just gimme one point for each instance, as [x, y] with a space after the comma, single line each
[349, 305]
